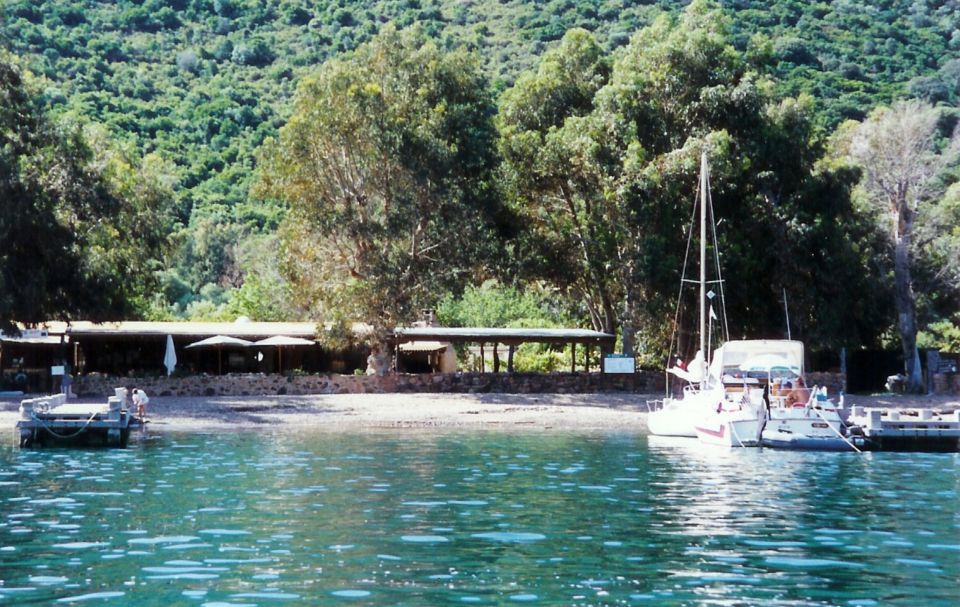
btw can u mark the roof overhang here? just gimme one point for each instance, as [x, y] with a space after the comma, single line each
[503, 336]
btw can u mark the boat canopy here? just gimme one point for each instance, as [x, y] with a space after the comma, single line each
[747, 358]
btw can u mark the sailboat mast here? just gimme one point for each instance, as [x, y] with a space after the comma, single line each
[703, 263]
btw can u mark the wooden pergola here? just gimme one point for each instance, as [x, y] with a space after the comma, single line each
[510, 338]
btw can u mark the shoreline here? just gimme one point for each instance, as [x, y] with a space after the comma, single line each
[622, 412]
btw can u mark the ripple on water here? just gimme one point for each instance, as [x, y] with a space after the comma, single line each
[425, 539]
[788, 561]
[774, 544]
[510, 536]
[93, 596]
[184, 576]
[163, 539]
[271, 595]
[48, 580]
[223, 532]
[388, 557]
[524, 597]
[190, 546]
[80, 545]
[351, 594]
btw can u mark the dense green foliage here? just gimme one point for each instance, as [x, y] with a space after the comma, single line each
[204, 82]
[606, 176]
[387, 165]
[599, 132]
[81, 225]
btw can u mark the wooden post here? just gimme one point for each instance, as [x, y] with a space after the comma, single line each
[482, 359]
[496, 358]
[573, 357]
[510, 358]
[586, 358]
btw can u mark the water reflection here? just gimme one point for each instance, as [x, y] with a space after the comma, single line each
[428, 519]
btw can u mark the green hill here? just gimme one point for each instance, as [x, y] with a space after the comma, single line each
[204, 82]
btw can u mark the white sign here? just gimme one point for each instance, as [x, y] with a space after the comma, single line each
[56, 370]
[619, 364]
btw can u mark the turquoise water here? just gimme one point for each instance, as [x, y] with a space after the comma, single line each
[485, 518]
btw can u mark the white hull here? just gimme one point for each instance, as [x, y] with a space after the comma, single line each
[678, 416]
[805, 428]
[728, 432]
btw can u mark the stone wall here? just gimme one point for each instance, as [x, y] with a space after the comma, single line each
[255, 384]
[946, 383]
[834, 382]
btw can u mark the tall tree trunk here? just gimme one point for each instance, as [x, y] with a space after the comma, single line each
[626, 321]
[906, 301]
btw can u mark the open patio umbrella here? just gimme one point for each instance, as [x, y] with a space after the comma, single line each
[280, 341]
[219, 341]
[170, 356]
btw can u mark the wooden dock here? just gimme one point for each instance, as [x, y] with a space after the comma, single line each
[50, 420]
[904, 430]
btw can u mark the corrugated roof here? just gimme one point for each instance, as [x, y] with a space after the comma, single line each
[245, 329]
[424, 346]
[308, 330]
[484, 334]
[232, 329]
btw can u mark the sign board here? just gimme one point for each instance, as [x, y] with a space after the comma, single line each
[27, 334]
[56, 370]
[619, 364]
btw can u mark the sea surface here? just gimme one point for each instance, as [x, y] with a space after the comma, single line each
[487, 518]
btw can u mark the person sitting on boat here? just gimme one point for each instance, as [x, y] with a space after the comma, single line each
[140, 399]
[799, 395]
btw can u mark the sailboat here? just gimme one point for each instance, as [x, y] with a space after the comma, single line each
[748, 393]
[707, 407]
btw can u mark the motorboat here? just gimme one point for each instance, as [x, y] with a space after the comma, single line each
[776, 410]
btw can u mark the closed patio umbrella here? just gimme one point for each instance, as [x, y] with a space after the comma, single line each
[219, 341]
[170, 356]
[280, 341]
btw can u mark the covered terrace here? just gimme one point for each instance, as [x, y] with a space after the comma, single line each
[511, 338]
[119, 348]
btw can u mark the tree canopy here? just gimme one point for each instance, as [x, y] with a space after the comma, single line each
[402, 151]
[607, 183]
[81, 224]
[203, 83]
[387, 165]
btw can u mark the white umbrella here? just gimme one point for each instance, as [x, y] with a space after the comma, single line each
[280, 341]
[170, 356]
[219, 341]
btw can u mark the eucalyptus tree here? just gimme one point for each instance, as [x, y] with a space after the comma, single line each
[566, 231]
[609, 181]
[386, 164]
[903, 156]
[82, 224]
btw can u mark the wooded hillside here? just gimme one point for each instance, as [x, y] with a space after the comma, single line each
[202, 84]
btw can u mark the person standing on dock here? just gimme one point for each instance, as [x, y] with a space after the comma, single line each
[140, 400]
[66, 383]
